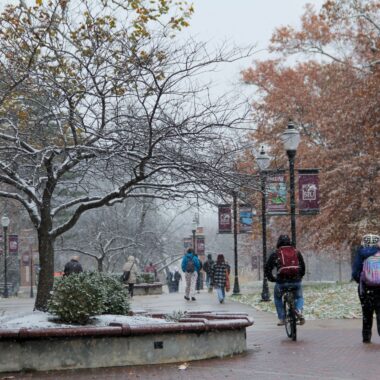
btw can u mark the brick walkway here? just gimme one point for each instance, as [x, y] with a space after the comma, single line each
[329, 349]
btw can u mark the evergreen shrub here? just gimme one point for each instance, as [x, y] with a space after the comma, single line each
[117, 298]
[78, 297]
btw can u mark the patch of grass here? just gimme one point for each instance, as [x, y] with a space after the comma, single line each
[324, 301]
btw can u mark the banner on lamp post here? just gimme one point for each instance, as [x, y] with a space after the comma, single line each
[276, 193]
[308, 188]
[13, 244]
[187, 243]
[224, 219]
[200, 245]
[245, 218]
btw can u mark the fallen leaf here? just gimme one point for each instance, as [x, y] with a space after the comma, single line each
[183, 366]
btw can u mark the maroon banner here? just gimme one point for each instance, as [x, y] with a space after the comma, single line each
[276, 194]
[13, 244]
[308, 187]
[224, 218]
[200, 243]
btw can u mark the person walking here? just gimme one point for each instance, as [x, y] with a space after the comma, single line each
[220, 272]
[130, 273]
[199, 284]
[170, 281]
[177, 279]
[190, 266]
[207, 267]
[290, 268]
[73, 266]
[366, 272]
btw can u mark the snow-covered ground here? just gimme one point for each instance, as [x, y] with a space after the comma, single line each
[335, 301]
[38, 319]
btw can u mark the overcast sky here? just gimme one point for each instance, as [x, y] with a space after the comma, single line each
[243, 22]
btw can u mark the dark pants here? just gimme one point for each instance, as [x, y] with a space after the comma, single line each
[370, 302]
[130, 289]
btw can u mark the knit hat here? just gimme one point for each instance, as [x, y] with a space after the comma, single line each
[370, 240]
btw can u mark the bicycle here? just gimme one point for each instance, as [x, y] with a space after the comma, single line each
[288, 299]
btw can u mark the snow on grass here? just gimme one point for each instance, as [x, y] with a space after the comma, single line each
[39, 319]
[335, 301]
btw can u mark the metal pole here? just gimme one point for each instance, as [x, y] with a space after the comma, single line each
[31, 271]
[291, 155]
[265, 296]
[5, 294]
[193, 231]
[236, 289]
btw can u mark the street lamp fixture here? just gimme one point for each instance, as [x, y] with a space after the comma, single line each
[263, 161]
[291, 138]
[5, 223]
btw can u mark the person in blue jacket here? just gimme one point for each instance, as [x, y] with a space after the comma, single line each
[190, 266]
[369, 296]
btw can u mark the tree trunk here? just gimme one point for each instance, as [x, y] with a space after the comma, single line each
[46, 275]
[100, 264]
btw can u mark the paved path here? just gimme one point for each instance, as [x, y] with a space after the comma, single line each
[329, 349]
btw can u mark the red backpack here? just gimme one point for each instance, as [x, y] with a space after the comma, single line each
[288, 262]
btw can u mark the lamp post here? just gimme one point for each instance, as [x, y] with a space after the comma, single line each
[236, 289]
[5, 223]
[291, 139]
[194, 230]
[263, 161]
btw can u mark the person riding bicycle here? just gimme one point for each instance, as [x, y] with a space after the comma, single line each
[290, 268]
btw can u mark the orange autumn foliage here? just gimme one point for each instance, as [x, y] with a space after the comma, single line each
[333, 96]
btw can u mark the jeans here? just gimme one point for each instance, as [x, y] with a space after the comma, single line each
[221, 293]
[278, 291]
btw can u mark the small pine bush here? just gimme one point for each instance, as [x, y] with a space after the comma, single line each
[77, 298]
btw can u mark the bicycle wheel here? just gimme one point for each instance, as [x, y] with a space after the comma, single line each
[288, 325]
[290, 317]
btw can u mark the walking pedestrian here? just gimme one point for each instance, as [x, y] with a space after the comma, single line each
[366, 272]
[130, 273]
[199, 285]
[207, 267]
[190, 264]
[220, 274]
[177, 279]
[171, 281]
[73, 266]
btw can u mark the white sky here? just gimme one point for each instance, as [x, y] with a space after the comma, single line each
[243, 22]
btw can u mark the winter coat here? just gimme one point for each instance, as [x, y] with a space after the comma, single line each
[186, 258]
[131, 266]
[274, 263]
[73, 266]
[362, 254]
[207, 266]
[219, 274]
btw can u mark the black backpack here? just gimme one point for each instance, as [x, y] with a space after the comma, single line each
[190, 266]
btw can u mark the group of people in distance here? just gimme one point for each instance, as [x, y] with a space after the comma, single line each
[217, 274]
[289, 267]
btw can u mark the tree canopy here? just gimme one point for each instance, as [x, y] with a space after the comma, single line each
[332, 93]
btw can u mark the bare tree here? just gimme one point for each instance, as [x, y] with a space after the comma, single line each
[95, 114]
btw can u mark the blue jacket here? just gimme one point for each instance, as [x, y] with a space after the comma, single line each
[190, 256]
[362, 254]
